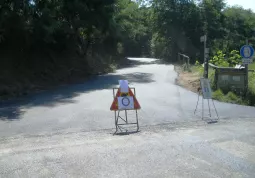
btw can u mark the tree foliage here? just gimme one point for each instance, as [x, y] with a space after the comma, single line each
[48, 39]
[182, 22]
[219, 59]
[159, 28]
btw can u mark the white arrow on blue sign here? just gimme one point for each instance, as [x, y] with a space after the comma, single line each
[247, 51]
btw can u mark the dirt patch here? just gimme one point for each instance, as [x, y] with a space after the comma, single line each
[188, 80]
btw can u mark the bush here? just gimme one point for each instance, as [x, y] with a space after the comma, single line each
[160, 47]
[197, 63]
[232, 98]
[251, 90]
[234, 58]
[221, 60]
[218, 95]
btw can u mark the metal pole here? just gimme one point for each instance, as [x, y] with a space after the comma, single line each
[197, 103]
[115, 115]
[116, 123]
[246, 72]
[209, 108]
[137, 124]
[126, 116]
[202, 96]
[205, 59]
[215, 110]
[202, 108]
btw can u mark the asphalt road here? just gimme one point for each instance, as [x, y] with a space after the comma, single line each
[67, 132]
[194, 150]
[86, 106]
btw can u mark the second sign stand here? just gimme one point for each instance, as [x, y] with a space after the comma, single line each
[205, 91]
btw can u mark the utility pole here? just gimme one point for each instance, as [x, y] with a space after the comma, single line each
[206, 52]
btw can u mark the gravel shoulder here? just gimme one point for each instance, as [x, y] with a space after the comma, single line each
[188, 80]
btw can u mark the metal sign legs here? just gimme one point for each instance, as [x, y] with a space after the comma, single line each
[121, 121]
[209, 107]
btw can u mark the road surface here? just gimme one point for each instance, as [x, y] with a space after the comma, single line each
[197, 150]
[86, 106]
[67, 132]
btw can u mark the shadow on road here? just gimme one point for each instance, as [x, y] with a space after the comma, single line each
[126, 133]
[10, 113]
[11, 110]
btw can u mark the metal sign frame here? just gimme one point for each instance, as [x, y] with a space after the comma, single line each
[200, 92]
[206, 88]
[120, 121]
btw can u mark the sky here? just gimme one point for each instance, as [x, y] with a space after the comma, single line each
[246, 4]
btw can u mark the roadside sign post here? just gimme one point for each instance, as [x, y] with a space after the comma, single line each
[206, 56]
[247, 53]
[124, 100]
[206, 92]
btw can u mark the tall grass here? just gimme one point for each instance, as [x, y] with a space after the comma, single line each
[251, 89]
[252, 66]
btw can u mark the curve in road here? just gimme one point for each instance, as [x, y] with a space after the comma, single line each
[85, 106]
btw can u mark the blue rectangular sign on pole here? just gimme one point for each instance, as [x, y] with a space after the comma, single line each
[206, 88]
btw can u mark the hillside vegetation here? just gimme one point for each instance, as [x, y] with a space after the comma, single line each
[48, 42]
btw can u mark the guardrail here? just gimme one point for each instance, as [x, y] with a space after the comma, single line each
[185, 61]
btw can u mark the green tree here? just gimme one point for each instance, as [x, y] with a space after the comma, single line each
[180, 23]
[240, 24]
[133, 25]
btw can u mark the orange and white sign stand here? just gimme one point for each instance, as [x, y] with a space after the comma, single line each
[124, 100]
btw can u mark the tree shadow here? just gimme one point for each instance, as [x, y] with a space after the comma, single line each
[126, 133]
[10, 113]
[11, 110]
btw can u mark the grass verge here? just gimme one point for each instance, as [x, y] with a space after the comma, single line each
[196, 71]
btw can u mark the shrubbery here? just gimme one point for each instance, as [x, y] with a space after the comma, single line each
[221, 60]
[230, 96]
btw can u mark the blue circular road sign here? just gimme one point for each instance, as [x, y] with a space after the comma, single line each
[125, 101]
[247, 51]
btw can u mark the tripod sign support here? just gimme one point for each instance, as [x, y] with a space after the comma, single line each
[206, 92]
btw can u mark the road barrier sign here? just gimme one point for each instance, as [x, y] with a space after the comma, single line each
[124, 100]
